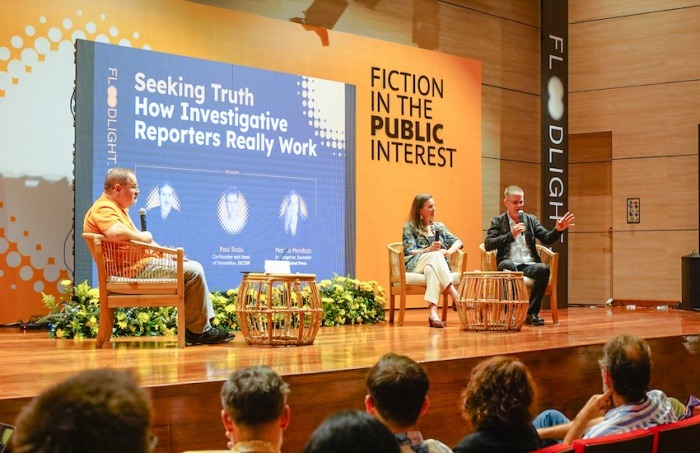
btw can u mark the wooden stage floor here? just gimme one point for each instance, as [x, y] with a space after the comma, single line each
[329, 375]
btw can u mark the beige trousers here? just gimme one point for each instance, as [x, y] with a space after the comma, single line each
[437, 275]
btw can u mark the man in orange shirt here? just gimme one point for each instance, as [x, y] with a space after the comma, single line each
[109, 216]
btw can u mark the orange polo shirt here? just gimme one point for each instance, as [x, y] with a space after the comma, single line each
[104, 213]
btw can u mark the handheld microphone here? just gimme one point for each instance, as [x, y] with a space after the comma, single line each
[142, 214]
[437, 235]
[521, 216]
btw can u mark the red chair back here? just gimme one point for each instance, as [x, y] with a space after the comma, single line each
[679, 436]
[637, 441]
[556, 448]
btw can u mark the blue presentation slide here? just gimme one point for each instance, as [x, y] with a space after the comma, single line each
[237, 165]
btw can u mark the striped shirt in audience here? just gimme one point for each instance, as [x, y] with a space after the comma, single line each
[654, 410]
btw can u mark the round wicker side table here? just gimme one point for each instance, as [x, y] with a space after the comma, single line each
[492, 301]
[279, 309]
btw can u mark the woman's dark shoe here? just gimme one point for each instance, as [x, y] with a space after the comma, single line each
[436, 323]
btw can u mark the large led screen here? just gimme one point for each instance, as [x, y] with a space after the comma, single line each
[235, 164]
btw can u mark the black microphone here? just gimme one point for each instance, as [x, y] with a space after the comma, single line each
[142, 214]
[521, 216]
[437, 235]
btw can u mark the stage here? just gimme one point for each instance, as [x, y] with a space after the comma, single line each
[329, 375]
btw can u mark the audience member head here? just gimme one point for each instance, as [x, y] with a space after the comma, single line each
[254, 401]
[500, 394]
[352, 431]
[626, 366]
[96, 410]
[397, 386]
[418, 203]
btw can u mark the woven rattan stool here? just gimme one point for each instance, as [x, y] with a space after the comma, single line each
[279, 309]
[492, 301]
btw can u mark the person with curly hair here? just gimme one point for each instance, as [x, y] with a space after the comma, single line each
[497, 403]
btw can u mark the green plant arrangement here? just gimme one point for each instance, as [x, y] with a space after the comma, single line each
[347, 300]
[75, 314]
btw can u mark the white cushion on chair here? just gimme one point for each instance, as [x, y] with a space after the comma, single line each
[414, 278]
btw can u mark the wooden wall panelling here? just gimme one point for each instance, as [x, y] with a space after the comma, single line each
[664, 50]
[682, 192]
[491, 190]
[590, 182]
[591, 147]
[590, 199]
[647, 264]
[646, 92]
[388, 20]
[510, 146]
[510, 137]
[508, 50]
[588, 10]
[667, 188]
[646, 121]
[523, 11]
[590, 267]
[510, 124]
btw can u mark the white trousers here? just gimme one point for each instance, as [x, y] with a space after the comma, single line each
[437, 275]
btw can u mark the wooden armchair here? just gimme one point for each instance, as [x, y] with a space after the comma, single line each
[548, 257]
[402, 283]
[161, 285]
